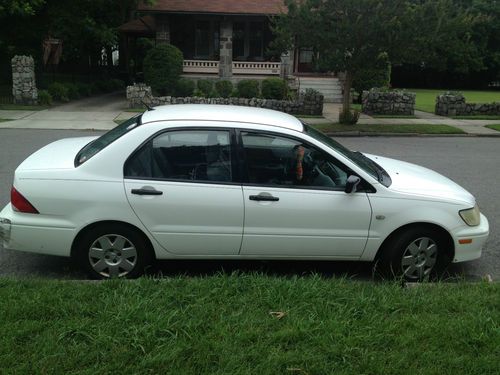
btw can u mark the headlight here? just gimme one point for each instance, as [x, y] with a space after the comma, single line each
[472, 216]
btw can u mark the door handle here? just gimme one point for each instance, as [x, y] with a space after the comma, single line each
[264, 198]
[146, 192]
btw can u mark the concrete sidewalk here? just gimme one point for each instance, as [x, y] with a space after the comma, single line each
[88, 114]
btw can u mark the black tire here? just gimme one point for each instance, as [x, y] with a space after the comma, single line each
[425, 247]
[121, 250]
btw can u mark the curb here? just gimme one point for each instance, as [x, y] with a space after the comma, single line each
[374, 134]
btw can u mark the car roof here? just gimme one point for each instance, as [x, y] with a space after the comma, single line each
[217, 112]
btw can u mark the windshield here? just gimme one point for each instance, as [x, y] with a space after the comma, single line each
[365, 163]
[106, 139]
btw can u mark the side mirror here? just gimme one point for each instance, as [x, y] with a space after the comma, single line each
[352, 184]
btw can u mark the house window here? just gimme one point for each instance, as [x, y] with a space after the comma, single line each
[248, 40]
[207, 36]
[256, 41]
[239, 32]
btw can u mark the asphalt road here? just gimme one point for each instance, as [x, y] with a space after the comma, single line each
[471, 162]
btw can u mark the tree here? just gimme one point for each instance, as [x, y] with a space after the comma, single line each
[351, 35]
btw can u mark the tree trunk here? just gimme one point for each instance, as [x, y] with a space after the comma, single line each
[346, 106]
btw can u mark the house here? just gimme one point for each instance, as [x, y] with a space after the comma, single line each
[228, 39]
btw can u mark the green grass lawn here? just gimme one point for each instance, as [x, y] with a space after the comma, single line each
[426, 99]
[494, 127]
[389, 128]
[19, 107]
[230, 324]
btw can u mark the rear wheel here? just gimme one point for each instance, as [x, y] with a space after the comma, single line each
[414, 255]
[113, 251]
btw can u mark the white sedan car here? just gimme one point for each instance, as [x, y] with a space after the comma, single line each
[225, 182]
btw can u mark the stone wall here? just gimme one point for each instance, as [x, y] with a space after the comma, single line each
[377, 102]
[23, 80]
[137, 94]
[453, 104]
[310, 104]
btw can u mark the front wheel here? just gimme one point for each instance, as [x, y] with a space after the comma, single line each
[113, 251]
[413, 255]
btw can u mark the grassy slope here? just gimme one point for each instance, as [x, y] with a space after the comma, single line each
[390, 128]
[426, 99]
[221, 325]
[494, 127]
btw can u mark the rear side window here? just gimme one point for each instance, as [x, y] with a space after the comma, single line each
[184, 155]
[106, 139]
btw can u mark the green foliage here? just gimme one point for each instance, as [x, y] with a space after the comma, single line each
[73, 92]
[44, 98]
[198, 93]
[349, 117]
[248, 88]
[373, 75]
[205, 86]
[84, 89]
[20, 7]
[162, 68]
[274, 88]
[59, 91]
[184, 87]
[311, 93]
[224, 88]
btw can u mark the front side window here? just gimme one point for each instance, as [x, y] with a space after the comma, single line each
[285, 162]
[185, 155]
[106, 139]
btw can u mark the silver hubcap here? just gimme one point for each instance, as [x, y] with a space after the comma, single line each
[112, 255]
[419, 258]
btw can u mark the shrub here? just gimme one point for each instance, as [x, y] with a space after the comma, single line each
[350, 117]
[73, 92]
[224, 88]
[162, 68]
[274, 88]
[95, 88]
[44, 98]
[377, 74]
[311, 93]
[248, 88]
[116, 84]
[198, 93]
[59, 91]
[205, 86]
[84, 89]
[184, 87]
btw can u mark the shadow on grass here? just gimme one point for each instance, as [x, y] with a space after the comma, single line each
[18, 264]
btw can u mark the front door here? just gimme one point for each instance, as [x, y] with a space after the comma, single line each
[180, 185]
[295, 204]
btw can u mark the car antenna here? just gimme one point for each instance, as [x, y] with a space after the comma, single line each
[148, 107]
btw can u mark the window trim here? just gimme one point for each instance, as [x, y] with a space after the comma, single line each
[365, 186]
[236, 180]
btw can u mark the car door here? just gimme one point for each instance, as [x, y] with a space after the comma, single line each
[295, 204]
[180, 185]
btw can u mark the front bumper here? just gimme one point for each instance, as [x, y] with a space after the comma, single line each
[476, 235]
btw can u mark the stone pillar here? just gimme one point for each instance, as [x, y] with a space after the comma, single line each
[23, 80]
[226, 50]
[162, 29]
[286, 65]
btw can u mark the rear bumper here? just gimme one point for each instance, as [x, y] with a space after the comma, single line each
[35, 233]
[477, 237]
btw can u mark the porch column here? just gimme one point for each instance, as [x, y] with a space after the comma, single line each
[226, 50]
[162, 29]
[286, 65]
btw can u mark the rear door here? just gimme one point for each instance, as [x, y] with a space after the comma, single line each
[181, 186]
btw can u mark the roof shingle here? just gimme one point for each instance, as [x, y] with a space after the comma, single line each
[266, 7]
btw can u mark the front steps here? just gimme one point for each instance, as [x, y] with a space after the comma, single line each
[330, 87]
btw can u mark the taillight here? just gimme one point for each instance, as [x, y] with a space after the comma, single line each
[21, 204]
